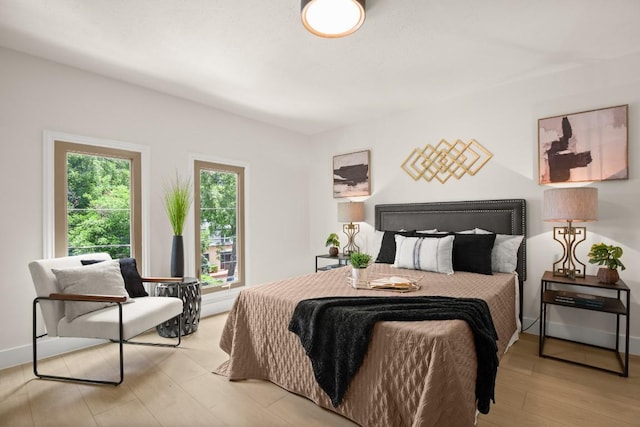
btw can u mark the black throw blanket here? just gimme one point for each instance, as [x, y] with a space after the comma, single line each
[335, 333]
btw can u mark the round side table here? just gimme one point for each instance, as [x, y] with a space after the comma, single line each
[189, 289]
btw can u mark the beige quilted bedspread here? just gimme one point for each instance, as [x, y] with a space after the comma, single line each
[414, 374]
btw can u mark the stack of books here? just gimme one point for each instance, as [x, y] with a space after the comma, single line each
[581, 300]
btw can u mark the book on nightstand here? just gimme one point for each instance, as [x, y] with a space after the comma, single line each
[581, 300]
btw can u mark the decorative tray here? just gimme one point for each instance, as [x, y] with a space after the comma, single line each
[387, 283]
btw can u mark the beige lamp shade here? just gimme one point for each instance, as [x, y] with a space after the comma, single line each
[570, 204]
[351, 212]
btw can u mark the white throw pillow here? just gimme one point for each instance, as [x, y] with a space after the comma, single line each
[425, 253]
[374, 244]
[504, 255]
[103, 278]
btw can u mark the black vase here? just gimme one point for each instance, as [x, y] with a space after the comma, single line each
[177, 257]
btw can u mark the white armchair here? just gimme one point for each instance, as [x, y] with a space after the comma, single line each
[117, 318]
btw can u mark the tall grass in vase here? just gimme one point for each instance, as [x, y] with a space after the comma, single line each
[177, 201]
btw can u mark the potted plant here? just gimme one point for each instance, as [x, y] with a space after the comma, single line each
[177, 201]
[359, 263]
[334, 242]
[609, 256]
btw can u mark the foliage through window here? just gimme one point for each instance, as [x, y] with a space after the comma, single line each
[96, 200]
[219, 212]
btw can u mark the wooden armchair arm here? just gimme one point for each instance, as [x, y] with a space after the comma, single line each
[93, 298]
[163, 279]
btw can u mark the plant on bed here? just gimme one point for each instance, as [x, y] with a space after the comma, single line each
[360, 260]
[359, 263]
[608, 255]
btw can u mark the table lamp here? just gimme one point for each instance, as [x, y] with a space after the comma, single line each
[351, 212]
[570, 205]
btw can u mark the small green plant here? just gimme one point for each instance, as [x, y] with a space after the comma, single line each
[608, 255]
[360, 259]
[177, 201]
[333, 240]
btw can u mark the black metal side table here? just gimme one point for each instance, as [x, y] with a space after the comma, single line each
[553, 292]
[189, 291]
[342, 260]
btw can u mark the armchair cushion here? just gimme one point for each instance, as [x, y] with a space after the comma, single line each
[104, 278]
[137, 317]
[132, 280]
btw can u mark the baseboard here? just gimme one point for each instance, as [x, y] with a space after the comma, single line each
[220, 302]
[47, 347]
[578, 333]
[212, 304]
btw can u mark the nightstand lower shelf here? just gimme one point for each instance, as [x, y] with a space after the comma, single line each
[336, 261]
[330, 267]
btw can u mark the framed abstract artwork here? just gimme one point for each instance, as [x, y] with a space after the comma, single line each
[351, 174]
[587, 146]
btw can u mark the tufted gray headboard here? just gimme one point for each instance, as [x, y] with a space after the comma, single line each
[500, 216]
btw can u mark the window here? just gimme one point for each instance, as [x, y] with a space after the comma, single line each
[219, 225]
[97, 203]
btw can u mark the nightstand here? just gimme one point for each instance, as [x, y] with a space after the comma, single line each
[565, 292]
[336, 261]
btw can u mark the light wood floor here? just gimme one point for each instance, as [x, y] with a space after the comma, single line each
[175, 387]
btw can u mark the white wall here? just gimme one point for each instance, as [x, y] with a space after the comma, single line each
[36, 95]
[286, 227]
[504, 120]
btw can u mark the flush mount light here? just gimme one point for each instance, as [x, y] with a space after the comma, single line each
[332, 18]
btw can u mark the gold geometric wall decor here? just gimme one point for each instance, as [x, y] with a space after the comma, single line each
[446, 160]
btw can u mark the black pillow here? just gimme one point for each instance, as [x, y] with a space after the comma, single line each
[472, 252]
[387, 254]
[129, 270]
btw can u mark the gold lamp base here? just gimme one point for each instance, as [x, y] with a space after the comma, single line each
[569, 237]
[350, 230]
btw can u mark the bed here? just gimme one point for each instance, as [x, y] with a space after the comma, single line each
[414, 373]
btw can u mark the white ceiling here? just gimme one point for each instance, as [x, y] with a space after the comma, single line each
[253, 57]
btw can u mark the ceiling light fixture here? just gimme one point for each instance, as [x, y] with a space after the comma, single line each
[332, 18]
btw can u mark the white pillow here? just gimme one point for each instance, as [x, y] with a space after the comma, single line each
[432, 231]
[103, 278]
[375, 243]
[504, 255]
[474, 231]
[425, 253]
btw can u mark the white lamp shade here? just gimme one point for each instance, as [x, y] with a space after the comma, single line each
[570, 204]
[351, 212]
[332, 18]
